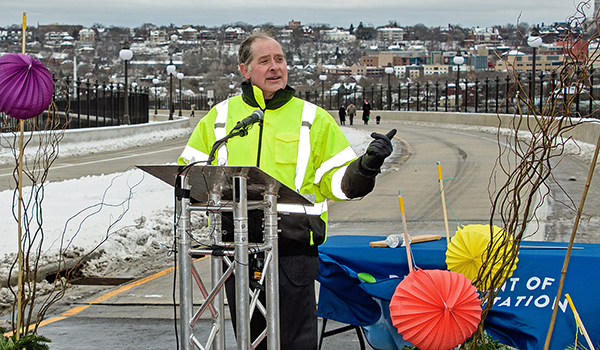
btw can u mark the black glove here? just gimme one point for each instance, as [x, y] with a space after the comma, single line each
[378, 150]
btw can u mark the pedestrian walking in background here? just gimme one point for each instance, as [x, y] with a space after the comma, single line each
[342, 114]
[366, 112]
[351, 111]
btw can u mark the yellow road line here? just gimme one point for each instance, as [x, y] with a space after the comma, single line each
[106, 296]
[64, 315]
[130, 285]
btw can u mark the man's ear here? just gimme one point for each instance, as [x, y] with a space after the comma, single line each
[245, 71]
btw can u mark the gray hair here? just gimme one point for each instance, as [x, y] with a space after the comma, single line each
[245, 53]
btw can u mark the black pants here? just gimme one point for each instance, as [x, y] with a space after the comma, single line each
[297, 304]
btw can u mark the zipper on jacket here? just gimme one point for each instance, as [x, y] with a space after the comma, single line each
[260, 135]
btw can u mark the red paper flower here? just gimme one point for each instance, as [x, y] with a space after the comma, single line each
[26, 86]
[435, 309]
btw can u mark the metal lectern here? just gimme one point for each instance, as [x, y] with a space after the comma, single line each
[217, 189]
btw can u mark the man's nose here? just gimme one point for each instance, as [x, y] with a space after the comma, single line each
[272, 64]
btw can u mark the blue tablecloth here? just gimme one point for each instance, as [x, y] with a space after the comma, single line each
[522, 310]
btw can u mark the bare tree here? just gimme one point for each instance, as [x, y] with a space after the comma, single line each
[526, 160]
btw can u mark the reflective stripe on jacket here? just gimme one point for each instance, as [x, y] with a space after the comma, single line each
[301, 145]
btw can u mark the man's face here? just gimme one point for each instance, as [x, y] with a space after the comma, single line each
[268, 70]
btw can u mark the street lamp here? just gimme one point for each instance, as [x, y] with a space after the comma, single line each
[201, 91]
[534, 41]
[170, 71]
[126, 54]
[323, 77]
[458, 60]
[180, 77]
[155, 81]
[134, 90]
[389, 70]
[231, 87]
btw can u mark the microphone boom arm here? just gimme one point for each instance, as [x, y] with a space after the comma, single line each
[240, 129]
[240, 132]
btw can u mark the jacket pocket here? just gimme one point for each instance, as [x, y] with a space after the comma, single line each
[286, 147]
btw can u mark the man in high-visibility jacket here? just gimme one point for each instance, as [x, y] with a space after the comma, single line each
[302, 146]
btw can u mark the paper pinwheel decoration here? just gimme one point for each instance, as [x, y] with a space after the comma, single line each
[470, 247]
[435, 309]
[26, 86]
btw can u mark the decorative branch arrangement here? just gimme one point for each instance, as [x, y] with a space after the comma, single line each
[536, 144]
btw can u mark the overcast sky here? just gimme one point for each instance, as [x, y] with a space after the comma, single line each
[340, 13]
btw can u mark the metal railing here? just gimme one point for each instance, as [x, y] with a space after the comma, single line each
[199, 102]
[81, 104]
[495, 95]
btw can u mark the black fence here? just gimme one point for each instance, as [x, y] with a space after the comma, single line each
[82, 104]
[199, 102]
[495, 95]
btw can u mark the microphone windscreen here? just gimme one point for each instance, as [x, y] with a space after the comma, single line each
[258, 115]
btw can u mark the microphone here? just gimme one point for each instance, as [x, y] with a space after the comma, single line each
[238, 130]
[256, 116]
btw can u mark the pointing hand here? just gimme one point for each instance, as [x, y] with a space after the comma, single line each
[378, 150]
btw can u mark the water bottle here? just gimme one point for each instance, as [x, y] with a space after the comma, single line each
[393, 241]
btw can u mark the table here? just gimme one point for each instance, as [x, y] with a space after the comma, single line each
[522, 310]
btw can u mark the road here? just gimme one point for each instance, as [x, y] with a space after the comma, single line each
[468, 163]
[65, 168]
[141, 316]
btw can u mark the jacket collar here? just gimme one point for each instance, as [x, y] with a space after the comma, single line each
[253, 96]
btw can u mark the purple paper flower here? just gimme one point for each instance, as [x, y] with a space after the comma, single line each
[26, 86]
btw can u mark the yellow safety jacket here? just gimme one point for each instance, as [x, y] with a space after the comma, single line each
[298, 143]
